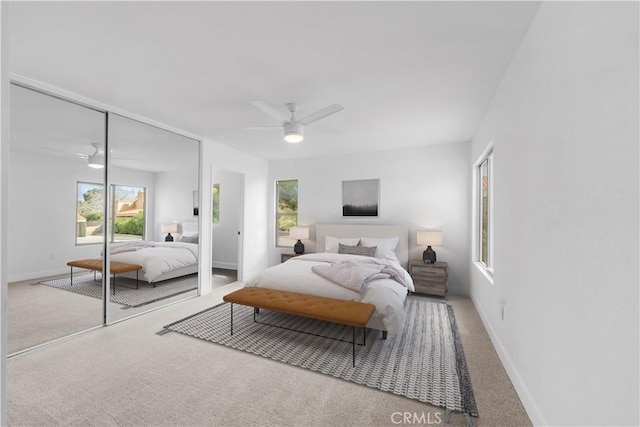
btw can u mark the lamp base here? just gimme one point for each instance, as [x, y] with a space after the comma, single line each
[429, 255]
[298, 248]
[169, 238]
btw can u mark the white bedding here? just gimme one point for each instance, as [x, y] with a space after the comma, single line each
[161, 258]
[295, 275]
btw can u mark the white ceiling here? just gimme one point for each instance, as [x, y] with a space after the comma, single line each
[407, 73]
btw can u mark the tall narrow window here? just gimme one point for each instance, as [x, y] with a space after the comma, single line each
[127, 212]
[215, 208]
[485, 232]
[286, 211]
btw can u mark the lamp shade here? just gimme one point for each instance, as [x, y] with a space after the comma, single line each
[429, 237]
[299, 233]
[169, 228]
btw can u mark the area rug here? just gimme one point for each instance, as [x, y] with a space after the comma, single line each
[126, 292]
[423, 361]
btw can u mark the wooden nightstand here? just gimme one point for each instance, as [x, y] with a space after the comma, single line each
[430, 279]
[287, 255]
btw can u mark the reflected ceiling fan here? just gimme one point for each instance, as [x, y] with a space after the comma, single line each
[293, 128]
[96, 159]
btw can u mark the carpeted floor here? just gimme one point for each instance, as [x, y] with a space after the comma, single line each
[125, 374]
[422, 361]
[128, 292]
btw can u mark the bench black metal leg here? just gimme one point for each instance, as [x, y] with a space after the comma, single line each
[137, 279]
[114, 284]
[231, 318]
[364, 335]
[353, 331]
[71, 276]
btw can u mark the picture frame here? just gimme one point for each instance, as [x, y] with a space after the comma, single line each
[361, 198]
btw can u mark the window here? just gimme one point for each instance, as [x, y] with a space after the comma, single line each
[286, 211]
[215, 208]
[128, 213]
[485, 232]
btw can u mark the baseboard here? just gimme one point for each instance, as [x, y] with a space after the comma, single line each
[530, 406]
[37, 275]
[224, 265]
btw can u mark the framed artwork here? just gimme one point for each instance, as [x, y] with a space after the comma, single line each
[360, 198]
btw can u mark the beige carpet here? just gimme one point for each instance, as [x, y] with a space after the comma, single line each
[125, 374]
[37, 313]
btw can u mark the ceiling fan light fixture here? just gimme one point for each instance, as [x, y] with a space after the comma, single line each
[293, 132]
[96, 161]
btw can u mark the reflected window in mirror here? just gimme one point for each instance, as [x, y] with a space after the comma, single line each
[215, 197]
[128, 213]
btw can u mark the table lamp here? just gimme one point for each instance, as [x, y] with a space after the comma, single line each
[299, 233]
[169, 228]
[429, 237]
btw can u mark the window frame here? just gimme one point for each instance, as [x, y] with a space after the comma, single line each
[279, 214]
[482, 250]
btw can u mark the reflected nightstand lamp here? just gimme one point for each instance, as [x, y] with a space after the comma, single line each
[428, 238]
[299, 233]
[169, 228]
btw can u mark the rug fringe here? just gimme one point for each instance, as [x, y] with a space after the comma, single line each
[467, 416]
[469, 420]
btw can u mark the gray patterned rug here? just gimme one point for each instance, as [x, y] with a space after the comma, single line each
[423, 361]
[126, 292]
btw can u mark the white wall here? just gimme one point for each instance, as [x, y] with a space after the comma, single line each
[42, 212]
[425, 187]
[564, 123]
[224, 234]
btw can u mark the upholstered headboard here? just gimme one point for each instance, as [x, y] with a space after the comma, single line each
[377, 231]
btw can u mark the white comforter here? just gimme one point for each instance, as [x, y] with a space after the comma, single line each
[160, 258]
[295, 275]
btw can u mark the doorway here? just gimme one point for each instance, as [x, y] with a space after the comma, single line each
[226, 226]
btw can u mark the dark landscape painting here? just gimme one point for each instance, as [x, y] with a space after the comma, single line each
[361, 197]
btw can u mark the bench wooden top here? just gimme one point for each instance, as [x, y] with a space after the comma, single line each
[96, 264]
[351, 313]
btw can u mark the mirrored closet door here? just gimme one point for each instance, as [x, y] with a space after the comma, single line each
[56, 214]
[153, 182]
[85, 185]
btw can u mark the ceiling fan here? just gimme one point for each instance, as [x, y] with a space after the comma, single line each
[293, 128]
[95, 160]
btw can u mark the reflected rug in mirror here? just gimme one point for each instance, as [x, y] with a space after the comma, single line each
[126, 292]
[422, 361]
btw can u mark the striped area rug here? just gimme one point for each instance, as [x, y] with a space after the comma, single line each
[126, 292]
[423, 361]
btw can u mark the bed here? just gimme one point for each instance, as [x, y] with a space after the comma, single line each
[387, 294]
[161, 260]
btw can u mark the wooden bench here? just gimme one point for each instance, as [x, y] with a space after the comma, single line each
[350, 313]
[114, 268]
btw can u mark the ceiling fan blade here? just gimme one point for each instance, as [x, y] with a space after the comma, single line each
[269, 110]
[320, 114]
[65, 153]
[261, 127]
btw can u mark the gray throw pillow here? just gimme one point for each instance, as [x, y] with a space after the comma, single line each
[356, 250]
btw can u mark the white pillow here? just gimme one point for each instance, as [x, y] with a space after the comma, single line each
[384, 247]
[331, 243]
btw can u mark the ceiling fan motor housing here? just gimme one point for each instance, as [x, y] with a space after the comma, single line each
[293, 132]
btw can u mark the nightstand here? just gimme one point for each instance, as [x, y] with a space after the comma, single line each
[287, 255]
[430, 279]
